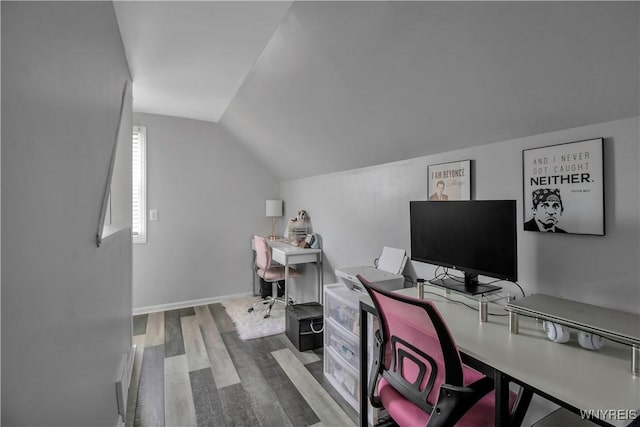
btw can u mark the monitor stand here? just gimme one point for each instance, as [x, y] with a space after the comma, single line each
[470, 286]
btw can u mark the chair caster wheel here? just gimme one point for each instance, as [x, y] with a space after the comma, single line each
[250, 310]
[266, 316]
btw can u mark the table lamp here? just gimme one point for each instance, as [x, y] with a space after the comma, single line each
[273, 209]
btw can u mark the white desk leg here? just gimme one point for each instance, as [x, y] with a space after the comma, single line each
[319, 274]
[286, 281]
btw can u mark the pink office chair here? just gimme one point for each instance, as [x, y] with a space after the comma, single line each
[420, 378]
[269, 273]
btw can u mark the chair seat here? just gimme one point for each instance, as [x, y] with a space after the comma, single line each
[275, 274]
[405, 413]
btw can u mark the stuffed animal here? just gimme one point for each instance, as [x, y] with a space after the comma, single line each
[298, 226]
[302, 216]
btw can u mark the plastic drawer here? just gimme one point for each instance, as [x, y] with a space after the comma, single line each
[342, 305]
[344, 344]
[343, 377]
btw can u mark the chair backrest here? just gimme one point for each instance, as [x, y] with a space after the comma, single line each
[263, 252]
[419, 352]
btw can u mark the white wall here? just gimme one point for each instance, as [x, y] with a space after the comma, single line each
[360, 211]
[210, 194]
[66, 304]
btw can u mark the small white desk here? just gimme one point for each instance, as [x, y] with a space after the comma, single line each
[567, 374]
[286, 254]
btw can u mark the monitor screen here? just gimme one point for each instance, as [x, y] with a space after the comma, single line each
[474, 236]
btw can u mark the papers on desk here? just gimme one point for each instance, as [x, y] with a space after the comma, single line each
[392, 260]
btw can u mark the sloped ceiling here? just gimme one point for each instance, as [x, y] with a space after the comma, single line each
[347, 85]
[188, 58]
[341, 85]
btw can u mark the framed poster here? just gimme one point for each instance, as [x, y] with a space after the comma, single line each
[563, 188]
[449, 181]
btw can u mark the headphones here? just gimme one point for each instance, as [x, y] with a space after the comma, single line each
[590, 341]
[556, 332]
[560, 334]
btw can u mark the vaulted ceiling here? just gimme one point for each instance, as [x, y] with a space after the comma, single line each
[317, 87]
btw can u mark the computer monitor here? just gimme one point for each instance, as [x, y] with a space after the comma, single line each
[477, 237]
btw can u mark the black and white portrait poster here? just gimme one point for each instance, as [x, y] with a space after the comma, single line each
[449, 181]
[563, 188]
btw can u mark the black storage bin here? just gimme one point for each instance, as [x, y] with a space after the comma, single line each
[304, 325]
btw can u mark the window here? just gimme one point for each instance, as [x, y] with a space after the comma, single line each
[139, 184]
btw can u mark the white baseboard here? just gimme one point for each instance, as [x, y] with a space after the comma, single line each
[185, 304]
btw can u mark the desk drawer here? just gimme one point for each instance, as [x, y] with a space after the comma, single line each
[279, 257]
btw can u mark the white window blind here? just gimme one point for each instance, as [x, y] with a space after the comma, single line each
[139, 181]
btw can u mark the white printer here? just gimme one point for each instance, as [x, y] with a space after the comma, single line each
[387, 274]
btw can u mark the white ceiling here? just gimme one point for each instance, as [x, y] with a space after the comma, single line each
[188, 59]
[317, 87]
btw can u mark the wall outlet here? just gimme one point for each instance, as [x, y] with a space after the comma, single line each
[153, 215]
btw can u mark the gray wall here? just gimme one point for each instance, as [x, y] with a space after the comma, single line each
[355, 84]
[210, 194]
[66, 304]
[359, 211]
[0, 226]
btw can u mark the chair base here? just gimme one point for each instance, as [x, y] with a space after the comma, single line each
[276, 292]
[269, 301]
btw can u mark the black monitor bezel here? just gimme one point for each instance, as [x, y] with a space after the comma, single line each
[472, 271]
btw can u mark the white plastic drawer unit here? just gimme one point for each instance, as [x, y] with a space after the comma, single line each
[342, 305]
[344, 344]
[343, 377]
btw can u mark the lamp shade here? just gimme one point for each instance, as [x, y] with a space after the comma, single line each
[274, 208]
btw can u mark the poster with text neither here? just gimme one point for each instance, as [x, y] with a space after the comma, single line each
[563, 188]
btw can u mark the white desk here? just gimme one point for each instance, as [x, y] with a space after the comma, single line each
[286, 254]
[567, 374]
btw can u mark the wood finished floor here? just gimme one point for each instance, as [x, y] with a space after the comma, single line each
[192, 369]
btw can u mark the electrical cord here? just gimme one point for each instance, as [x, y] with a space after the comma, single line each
[460, 279]
[509, 281]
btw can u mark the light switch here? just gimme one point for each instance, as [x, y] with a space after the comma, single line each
[153, 215]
